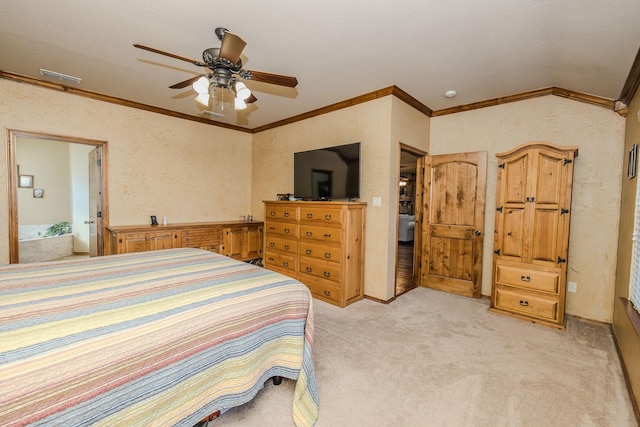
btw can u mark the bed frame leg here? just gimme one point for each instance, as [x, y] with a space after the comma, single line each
[277, 380]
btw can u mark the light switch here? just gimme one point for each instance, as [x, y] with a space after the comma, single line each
[377, 201]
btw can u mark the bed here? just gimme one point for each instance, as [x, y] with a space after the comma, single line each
[153, 338]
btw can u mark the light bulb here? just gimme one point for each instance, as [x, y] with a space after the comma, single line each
[242, 91]
[201, 85]
[239, 104]
[203, 98]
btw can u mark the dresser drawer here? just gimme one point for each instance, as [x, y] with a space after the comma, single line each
[281, 244]
[527, 303]
[280, 261]
[324, 234]
[530, 279]
[284, 213]
[282, 228]
[327, 271]
[321, 215]
[326, 253]
[323, 290]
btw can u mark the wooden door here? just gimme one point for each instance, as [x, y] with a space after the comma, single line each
[95, 204]
[163, 240]
[453, 225]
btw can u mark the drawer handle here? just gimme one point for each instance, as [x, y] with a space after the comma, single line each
[286, 230]
[327, 235]
[286, 215]
[327, 255]
[326, 274]
[285, 263]
[327, 217]
[309, 215]
[309, 233]
[327, 293]
[272, 228]
[271, 244]
[308, 251]
[525, 278]
[187, 239]
[286, 247]
[271, 259]
[272, 213]
[308, 269]
[524, 303]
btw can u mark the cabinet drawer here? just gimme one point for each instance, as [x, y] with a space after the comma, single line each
[206, 239]
[526, 303]
[327, 271]
[321, 215]
[280, 261]
[325, 234]
[530, 279]
[281, 244]
[323, 290]
[286, 213]
[282, 228]
[326, 253]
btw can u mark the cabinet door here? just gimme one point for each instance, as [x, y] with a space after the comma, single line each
[253, 242]
[133, 242]
[242, 243]
[164, 240]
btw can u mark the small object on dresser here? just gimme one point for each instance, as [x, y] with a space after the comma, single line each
[249, 218]
[164, 220]
[154, 220]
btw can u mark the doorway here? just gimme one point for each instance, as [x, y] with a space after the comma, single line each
[55, 190]
[407, 246]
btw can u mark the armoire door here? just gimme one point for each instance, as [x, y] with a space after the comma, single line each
[453, 226]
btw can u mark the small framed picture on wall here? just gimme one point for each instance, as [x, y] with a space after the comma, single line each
[633, 160]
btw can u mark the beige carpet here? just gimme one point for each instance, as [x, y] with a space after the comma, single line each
[436, 359]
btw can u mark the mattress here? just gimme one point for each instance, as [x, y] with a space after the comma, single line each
[153, 338]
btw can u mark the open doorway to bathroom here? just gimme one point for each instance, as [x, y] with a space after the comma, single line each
[406, 251]
[57, 197]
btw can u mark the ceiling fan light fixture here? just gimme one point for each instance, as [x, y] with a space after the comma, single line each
[203, 98]
[239, 104]
[201, 85]
[242, 91]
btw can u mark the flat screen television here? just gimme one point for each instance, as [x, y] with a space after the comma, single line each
[327, 173]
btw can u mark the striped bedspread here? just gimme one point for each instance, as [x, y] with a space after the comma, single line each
[157, 338]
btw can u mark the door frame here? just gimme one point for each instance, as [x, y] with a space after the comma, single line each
[12, 174]
[417, 238]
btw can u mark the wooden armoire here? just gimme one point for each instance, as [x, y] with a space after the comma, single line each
[533, 211]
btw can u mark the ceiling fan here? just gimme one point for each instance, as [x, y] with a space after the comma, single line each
[224, 71]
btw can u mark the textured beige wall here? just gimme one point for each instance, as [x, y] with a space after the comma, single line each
[599, 134]
[48, 162]
[371, 124]
[157, 164]
[626, 335]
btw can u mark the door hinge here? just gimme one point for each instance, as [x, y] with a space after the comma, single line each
[501, 165]
[564, 211]
[567, 161]
[98, 162]
[99, 214]
[561, 260]
[499, 209]
[497, 252]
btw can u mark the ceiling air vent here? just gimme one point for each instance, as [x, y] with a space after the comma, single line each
[59, 76]
[211, 113]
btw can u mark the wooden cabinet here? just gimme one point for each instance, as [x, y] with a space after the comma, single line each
[239, 240]
[320, 244]
[532, 232]
[147, 241]
[242, 241]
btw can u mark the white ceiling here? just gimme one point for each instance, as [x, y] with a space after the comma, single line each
[338, 49]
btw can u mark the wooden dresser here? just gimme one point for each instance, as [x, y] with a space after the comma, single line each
[239, 240]
[320, 244]
[532, 232]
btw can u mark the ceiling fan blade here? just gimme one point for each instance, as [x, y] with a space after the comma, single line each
[232, 47]
[251, 99]
[170, 55]
[276, 79]
[185, 83]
